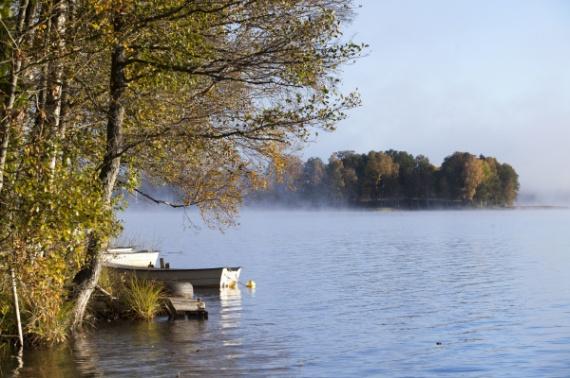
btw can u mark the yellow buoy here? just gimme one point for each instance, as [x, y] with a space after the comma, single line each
[232, 285]
[250, 284]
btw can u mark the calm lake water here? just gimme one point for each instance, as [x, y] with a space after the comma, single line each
[340, 293]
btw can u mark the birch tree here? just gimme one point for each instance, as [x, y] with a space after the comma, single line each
[202, 91]
[199, 95]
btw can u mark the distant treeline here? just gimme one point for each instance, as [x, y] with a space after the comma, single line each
[392, 179]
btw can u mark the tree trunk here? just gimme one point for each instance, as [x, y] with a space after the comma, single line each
[5, 121]
[107, 177]
[43, 80]
[55, 83]
[112, 159]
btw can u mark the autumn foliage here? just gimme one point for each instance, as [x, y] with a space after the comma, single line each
[393, 179]
[95, 94]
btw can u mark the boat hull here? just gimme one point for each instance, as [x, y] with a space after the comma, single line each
[199, 278]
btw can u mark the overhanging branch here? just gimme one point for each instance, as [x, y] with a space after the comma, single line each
[163, 202]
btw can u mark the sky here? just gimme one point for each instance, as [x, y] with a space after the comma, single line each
[483, 76]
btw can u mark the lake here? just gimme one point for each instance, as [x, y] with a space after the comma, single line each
[351, 293]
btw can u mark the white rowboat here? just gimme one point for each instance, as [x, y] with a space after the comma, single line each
[222, 277]
[129, 257]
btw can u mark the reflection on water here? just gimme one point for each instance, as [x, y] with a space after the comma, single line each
[230, 310]
[86, 356]
[470, 294]
[11, 360]
[56, 362]
[154, 348]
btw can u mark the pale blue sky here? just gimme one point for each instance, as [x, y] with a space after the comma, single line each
[484, 76]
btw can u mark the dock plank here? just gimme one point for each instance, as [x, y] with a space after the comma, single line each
[179, 306]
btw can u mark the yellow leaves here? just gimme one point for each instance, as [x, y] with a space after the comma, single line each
[274, 152]
[212, 95]
[112, 6]
[42, 292]
[257, 181]
[474, 175]
[47, 234]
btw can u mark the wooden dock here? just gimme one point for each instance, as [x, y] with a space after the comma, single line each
[180, 308]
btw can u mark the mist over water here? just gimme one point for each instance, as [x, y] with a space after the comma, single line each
[544, 198]
[487, 77]
[353, 293]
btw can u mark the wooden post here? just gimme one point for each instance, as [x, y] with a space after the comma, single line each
[17, 308]
[161, 263]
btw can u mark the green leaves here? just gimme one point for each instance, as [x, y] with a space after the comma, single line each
[391, 178]
[211, 91]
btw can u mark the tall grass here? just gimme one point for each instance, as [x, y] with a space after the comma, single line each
[131, 296]
[45, 314]
[7, 319]
[110, 281]
[47, 324]
[143, 298]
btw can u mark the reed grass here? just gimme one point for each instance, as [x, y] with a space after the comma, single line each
[131, 297]
[143, 298]
[47, 325]
[109, 281]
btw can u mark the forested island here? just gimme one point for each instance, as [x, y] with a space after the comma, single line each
[392, 179]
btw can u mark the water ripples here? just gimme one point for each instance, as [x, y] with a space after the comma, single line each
[404, 294]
